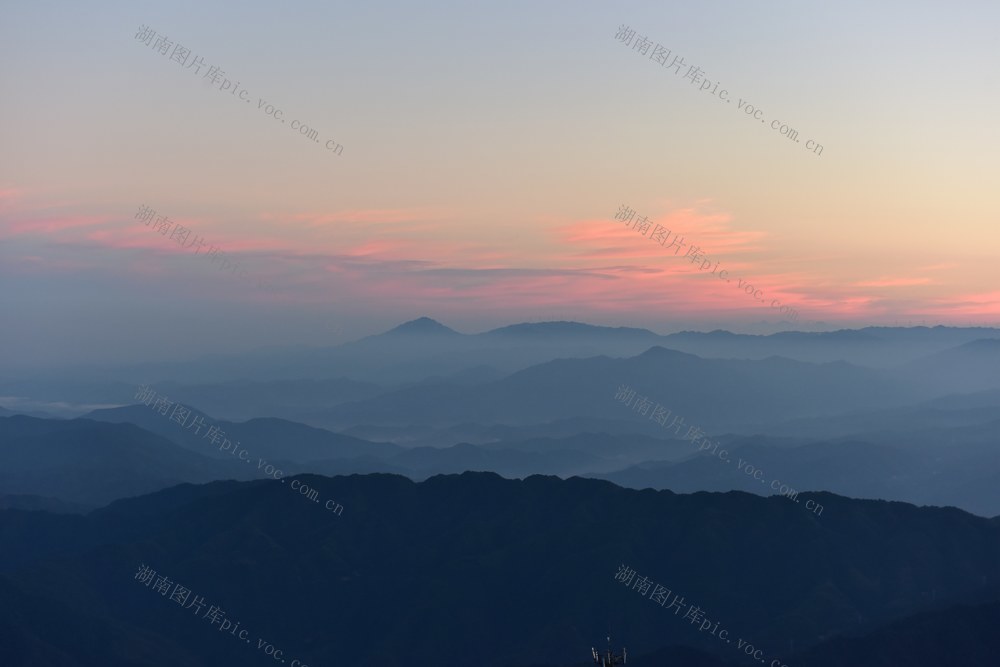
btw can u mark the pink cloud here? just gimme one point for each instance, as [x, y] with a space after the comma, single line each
[642, 275]
[417, 219]
[593, 265]
[710, 232]
[894, 282]
[960, 306]
[54, 225]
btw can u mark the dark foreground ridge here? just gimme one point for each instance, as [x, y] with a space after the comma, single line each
[474, 569]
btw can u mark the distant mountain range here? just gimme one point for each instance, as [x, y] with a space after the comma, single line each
[937, 453]
[421, 567]
[717, 394]
[298, 378]
[966, 476]
[267, 437]
[81, 462]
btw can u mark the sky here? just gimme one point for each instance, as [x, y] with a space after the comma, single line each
[485, 150]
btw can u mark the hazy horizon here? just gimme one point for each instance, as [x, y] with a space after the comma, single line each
[486, 152]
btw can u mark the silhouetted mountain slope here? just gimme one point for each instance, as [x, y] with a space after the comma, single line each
[28, 536]
[961, 635]
[427, 461]
[408, 353]
[267, 437]
[931, 466]
[972, 366]
[80, 464]
[475, 569]
[563, 331]
[564, 457]
[964, 475]
[715, 394]
[92, 463]
[4, 412]
[422, 326]
[876, 347]
[424, 435]
[109, 473]
[989, 398]
[425, 348]
[84, 635]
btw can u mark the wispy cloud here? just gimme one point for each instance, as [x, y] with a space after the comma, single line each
[407, 256]
[894, 282]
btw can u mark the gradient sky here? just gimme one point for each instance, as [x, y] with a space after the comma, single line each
[486, 150]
